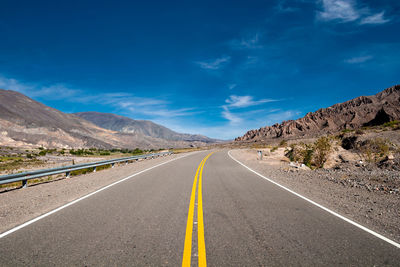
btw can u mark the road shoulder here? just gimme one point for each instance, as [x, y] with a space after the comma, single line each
[18, 206]
[375, 210]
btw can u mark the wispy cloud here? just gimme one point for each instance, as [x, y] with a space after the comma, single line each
[232, 118]
[12, 84]
[341, 10]
[51, 92]
[239, 102]
[358, 60]
[375, 19]
[348, 11]
[235, 101]
[214, 64]
[232, 86]
[251, 42]
[239, 124]
[121, 101]
[283, 7]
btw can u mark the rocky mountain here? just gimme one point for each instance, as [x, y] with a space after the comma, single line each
[148, 128]
[25, 122]
[358, 112]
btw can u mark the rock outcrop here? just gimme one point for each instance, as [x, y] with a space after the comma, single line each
[358, 112]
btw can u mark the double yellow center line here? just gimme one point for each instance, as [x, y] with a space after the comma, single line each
[187, 251]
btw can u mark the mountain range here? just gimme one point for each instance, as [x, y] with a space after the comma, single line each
[25, 122]
[358, 112]
[148, 128]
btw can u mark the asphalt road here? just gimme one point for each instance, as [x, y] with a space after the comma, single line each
[143, 221]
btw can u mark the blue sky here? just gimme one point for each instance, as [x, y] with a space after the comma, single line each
[217, 68]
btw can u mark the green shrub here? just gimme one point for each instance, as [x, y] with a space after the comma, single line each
[283, 143]
[322, 148]
[347, 130]
[312, 155]
[374, 150]
[274, 149]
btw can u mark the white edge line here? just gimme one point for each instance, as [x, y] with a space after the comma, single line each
[320, 206]
[85, 196]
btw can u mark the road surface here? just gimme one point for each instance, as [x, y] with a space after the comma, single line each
[236, 218]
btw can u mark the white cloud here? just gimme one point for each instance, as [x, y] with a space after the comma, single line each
[232, 85]
[375, 19]
[282, 7]
[12, 84]
[235, 101]
[239, 124]
[341, 10]
[358, 60]
[348, 11]
[120, 101]
[52, 92]
[232, 118]
[251, 42]
[214, 64]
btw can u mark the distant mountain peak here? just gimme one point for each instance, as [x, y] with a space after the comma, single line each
[148, 128]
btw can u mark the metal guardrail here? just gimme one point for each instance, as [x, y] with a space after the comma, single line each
[25, 176]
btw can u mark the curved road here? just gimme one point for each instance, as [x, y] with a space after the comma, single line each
[143, 221]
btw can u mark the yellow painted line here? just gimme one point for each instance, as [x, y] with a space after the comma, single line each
[187, 251]
[200, 223]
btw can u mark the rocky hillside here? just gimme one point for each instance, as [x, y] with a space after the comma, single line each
[148, 128]
[25, 122]
[358, 112]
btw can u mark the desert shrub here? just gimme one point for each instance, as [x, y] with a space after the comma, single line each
[374, 150]
[308, 153]
[42, 152]
[347, 130]
[137, 151]
[322, 148]
[274, 149]
[359, 132]
[283, 143]
[297, 152]
[312, 155]
[392, 124]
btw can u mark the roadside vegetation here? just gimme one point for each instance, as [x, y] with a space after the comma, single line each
[185, 150]
[13, 160]
[313, 155]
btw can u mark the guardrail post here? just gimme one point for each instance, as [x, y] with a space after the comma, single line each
[94, 169]
[24, 183]
[112, 165]
[67, 174]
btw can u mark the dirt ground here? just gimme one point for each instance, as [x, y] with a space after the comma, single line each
[368, 196]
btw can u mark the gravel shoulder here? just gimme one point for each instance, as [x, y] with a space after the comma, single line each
[376, 209]
[20, 205]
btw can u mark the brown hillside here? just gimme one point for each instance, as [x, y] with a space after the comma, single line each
[353, 114]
